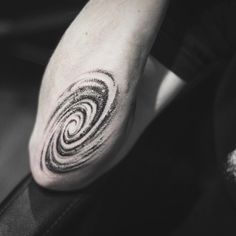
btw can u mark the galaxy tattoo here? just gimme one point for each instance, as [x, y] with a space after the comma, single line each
[75, 133]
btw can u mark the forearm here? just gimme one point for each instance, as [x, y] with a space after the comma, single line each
[93, 72]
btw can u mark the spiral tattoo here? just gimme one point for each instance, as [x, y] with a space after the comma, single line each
[74, 134]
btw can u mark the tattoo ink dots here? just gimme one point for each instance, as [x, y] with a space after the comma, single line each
[75, 130]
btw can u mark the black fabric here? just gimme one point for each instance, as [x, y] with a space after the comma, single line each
[195, 34]
[31, 210]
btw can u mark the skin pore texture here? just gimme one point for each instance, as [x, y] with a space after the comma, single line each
[99, 92]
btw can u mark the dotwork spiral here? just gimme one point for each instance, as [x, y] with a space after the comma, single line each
[75, 130]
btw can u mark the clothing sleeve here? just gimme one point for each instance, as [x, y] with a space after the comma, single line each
[194, 36]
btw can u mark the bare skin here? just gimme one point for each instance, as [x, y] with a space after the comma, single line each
[96, 89]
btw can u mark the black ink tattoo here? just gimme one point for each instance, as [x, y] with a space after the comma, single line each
[75, 131]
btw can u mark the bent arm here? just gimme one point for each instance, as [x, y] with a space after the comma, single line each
[88, 91]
